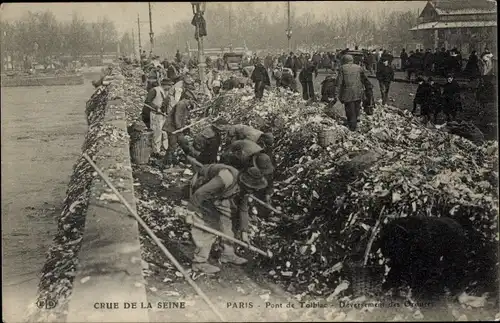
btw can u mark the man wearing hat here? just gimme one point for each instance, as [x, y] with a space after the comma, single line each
[219, 194]
[422, 96]
[206, 144]
[154, 115]
[260, 78]
[385, 75]
[216, 83]
[177, 119]
[350, 87]
[243, 154]
[155, 76]
[451, 98]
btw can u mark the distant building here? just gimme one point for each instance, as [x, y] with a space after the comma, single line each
[465, 24]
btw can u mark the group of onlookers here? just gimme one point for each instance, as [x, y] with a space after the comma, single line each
[442, 62]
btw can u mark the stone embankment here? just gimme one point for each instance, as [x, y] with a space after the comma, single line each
[95, 260]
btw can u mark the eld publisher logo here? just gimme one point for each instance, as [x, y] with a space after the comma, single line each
[47, 304]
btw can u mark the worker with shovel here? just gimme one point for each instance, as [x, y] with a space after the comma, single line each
[206, 144]
[177, 119]
[219, 193]
[153, 114]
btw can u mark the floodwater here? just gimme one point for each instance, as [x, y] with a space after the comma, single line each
[43, 129]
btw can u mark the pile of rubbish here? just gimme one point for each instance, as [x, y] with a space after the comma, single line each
[332, 196]
[332, 192]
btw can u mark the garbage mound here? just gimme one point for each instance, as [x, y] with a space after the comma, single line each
[393, 166]
[332, 185]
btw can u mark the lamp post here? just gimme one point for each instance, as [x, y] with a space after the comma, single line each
[151, 33]
[198, 11]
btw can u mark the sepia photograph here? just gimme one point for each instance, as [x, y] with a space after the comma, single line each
[280, 161]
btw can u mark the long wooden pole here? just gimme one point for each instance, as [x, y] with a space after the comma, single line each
[190, 125]
[223, 235]
[155, 239]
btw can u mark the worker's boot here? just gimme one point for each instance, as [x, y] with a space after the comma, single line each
[205, 267]
[228, 256]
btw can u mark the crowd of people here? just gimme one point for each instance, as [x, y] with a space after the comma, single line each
[346, 81]
[227, 172]
[442, 62]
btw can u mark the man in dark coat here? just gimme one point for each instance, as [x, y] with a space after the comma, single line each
[177, 119]
[451, 98]
[370, 62]
[434, 101]
[206, 144]
[472, 67]
[291, 64]
[306, 79]
[261, 78]
[178, 57]
[404, 59]
[424, 92]
[268, 62]
[385, 75]
[428, 61]
[351, 85]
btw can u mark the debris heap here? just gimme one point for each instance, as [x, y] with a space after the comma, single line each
[332, 192]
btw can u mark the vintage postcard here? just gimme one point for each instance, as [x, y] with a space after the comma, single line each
[250, 161]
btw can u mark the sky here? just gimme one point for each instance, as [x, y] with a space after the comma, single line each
[124, 14]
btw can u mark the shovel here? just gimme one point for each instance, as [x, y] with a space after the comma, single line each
[192, 124]
[189, 219]
[154, 110]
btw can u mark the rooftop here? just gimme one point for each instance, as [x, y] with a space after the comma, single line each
[454, 7]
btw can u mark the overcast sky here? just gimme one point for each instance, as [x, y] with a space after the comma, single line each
[124, 14]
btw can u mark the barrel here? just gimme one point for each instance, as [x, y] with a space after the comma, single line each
[326, 137]
[140, 147]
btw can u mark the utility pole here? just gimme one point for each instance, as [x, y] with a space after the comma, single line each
[289, 28]
[133, 44]
[139, 34]
[151, 34]
[230, 30]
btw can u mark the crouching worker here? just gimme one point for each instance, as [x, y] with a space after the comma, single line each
[243, 154]
[328, 94]
[219, 194]
[287, 80]
[244, 132]
[206, 144]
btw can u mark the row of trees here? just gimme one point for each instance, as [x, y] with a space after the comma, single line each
[266, 30]
[39, 36]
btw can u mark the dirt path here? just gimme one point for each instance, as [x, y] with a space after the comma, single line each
[42, 132]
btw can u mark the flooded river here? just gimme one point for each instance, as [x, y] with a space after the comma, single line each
[43, 129]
